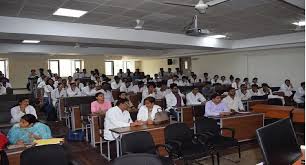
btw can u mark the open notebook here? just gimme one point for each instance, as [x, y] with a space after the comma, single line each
[49, 141]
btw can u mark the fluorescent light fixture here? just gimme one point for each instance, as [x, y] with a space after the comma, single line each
[30, 41]
[217, 36]
[300, 23]
[69, 12]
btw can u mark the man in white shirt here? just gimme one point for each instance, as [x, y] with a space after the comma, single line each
[184, 82]
[84, 74]
[173, 80]
[76, 75]
[287, 88]
[236, 84]
[206, 79]
[116, 84]
[299, 96]
[163, 90]
[156, 78]
[90, 89]
[73, 90]
[254, 91]
[215, 80]
[117, 117]
[42, 84]
[194, 79]
[138, 87]
[195, 97]
[126, 87]
[243, 92]
[223, 81]
[174, 100]
[107, 91]
[233, 102]
[23, 108]
[57, 93]
[215, 107]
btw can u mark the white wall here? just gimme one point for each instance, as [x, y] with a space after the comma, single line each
[152, 66]
[271, 66]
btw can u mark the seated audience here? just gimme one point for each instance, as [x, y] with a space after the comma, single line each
[162, 91]
[76, 75]
[28, 130]
[79, 84]
[116, 84]
[107, 91]
[100, 106]
[194, 79]
[223, 81]
[20, 110]
[173, 80]
[243, 92]
[215, 80]
[287, 88]
[138, 87]
[255, 81]
[184, 81]
[299, 96]
[89, 90]
[233, 101]
[73, 90]
[120, 74]
[236, 84]
[246, 82]
[156, 78]
[2, 89]
[254, 91]
[174, 100]
[117, 117]
[126, 86]
[216, 107]
[84, 74]
[206, 79]
[146, 113]
[195, 97]
[231, 79]
[149, 91]
[265, 90]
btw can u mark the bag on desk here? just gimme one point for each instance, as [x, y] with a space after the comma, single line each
[161, 117]
[75, 136]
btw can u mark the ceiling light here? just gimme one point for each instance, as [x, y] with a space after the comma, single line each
[300, 23]
[217, 36]
[30, 41]
[69, 12]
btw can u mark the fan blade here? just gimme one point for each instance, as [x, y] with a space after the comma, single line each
[179, 4]
[215, 2]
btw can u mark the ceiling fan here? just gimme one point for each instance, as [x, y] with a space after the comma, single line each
[200, 6]
[192, 29]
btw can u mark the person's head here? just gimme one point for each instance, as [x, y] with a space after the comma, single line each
[161, 69]
[231, 77]
[287, 82]
[265, 85]
[24, 101]
[232, 92]
[117, 79]
[120, 70]
[194, 76]
[60, 86]
[41, 70]
[84, 71]
[77, 80]
[100, 97]
[92, 84]
[27, 121]
[255, 80]
[96, 71]
[223, 78]
[33, 71]
[50, 82]
[128, 83]
[185, 78]
[205, 75]
[174, 77]
[303, 85]
[140, 84]
[148, 77]
[163, 85]
[243, 87]
[137, 70]
[64, 82]
[155, 76]
[49, 71]
[216, 98]
[169, 70]
[44, 78]
[216, 77]
[72, 85]
[237, 80]
[122, 95]
[128, 70]
[92, 72]
[123, 104]
[246, 80]
[77, 70]
[149, 102]
[174, 88]
[151, 87]
[255, 87]
[69, 78]
[195, 91]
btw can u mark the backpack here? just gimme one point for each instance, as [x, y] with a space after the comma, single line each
[75, 135]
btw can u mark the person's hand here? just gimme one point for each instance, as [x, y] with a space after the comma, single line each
[225, 113]
[204, 102]
[36, 137]
[233, 111]
[20, 142]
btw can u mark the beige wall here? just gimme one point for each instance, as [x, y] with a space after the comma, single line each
[272, 66]
[20, 65]
[152, 66]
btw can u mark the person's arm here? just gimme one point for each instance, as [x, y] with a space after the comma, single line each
[16, 115]
[201, 98]
[140, 114]
[240, 105]
[94, 107]
[117, 123]
[209, 111]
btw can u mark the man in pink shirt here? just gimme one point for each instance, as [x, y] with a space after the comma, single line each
[100, 106]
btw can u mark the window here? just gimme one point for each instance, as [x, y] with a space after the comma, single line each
[4, 67]
[109, 68]
[65, 67]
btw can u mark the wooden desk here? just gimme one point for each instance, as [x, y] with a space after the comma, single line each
[245, 125]
[76, 120]
[95, 130]
[298, 115]
[157, 132]
[273, 111]
[14, 155]
[185, 115]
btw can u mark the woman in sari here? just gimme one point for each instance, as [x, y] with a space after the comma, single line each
[28, 130]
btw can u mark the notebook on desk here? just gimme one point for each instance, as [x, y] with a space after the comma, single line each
[48, 141]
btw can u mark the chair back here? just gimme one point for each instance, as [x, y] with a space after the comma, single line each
[134, 99]
[161, 103]
[9, 91]
[207, 125]
[101, 121]
[275, 101]
[85, 109]
[138, 142]
[138, 159]
[47, 155]
[115, 94]
[5, 111]
[179, 132]
[198, 111]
